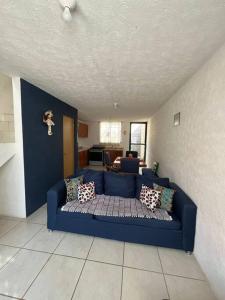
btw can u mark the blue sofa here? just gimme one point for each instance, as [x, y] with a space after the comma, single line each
[178, 233]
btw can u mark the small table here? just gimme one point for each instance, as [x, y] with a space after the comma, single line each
[116, 163]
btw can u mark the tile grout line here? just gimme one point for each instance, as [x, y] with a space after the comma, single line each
[82, 270]
[1, 236]
[25, 242]
[36, 233]
[102, 262]
[163, 274]
[10, 297]
[50, 256]
[121, 291]
[17, 252]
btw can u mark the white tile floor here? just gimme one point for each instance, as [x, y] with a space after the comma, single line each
[39, 265]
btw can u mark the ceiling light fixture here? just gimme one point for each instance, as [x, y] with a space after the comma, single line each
[68, 6]
[115, 104]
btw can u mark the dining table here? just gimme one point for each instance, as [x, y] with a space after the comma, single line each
[116, 163]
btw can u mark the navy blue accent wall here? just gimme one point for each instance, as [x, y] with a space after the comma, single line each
[43, 154]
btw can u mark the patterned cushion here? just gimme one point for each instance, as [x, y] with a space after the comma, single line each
[166, 196]
[72, 187]
[86, 192]
[150, 197]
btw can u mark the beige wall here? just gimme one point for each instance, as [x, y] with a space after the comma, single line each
[6, 110]
[12, 187]
[193, 155]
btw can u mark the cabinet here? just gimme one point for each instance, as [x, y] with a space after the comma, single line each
[114, 153]
[82, 130]
[83, 158]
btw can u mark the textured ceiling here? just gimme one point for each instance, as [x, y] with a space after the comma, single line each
[134, 52]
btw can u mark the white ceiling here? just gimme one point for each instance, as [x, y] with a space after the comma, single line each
[134, 52]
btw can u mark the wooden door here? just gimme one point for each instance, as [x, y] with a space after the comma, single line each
[68, 146]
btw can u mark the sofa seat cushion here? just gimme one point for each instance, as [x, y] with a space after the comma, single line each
[115, 206]
[175, 224]
[122, 185]
[78, 215]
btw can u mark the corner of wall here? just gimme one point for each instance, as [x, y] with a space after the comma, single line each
[13, 179]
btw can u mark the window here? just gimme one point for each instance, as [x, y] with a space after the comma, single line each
[110, 132]
[138, 134]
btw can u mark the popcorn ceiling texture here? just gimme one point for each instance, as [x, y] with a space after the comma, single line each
[193, 155]
[134, 52]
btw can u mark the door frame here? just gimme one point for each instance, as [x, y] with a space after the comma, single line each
[74, 142]
[145, 144]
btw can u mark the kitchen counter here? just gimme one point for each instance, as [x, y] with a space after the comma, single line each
[83, 149]
[113, 148]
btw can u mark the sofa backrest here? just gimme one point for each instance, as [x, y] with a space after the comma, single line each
[148, 181]
[96, 176]
[180, 198]
[123, 185]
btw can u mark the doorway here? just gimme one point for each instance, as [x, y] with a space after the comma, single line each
[68, 146]
[138, 136]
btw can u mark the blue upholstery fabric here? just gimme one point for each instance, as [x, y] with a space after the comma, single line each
[149, 172]
[119, 184]
[129, 165]
[148, 181]
[96, 176]
[178, 234]
[186, 211]
[154, 223]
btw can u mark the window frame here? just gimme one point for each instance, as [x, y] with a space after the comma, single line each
[141, 144]
[110, 142]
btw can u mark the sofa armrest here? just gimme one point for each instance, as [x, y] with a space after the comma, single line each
[56, 197]
[186, 210]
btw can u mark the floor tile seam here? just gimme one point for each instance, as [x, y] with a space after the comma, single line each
[36, 233]
[93, 260]
[10, 297]
[59, 243]
[121, 288]
[50, 256]
[164, 278]
[36, 276]
[2, 235]
[29, 222]
[82, 270]
[25, 242]
[185, 277]
[8, 262]
[102, 262]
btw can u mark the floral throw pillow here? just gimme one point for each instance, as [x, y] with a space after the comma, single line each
[86, 192]
[166, 200]
[150, 197]
[72, 188]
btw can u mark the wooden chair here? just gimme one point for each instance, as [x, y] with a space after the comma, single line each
[108, 163]
[133, 153]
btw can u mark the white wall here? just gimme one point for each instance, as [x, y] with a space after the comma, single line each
[193, 155]
[12, 188]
